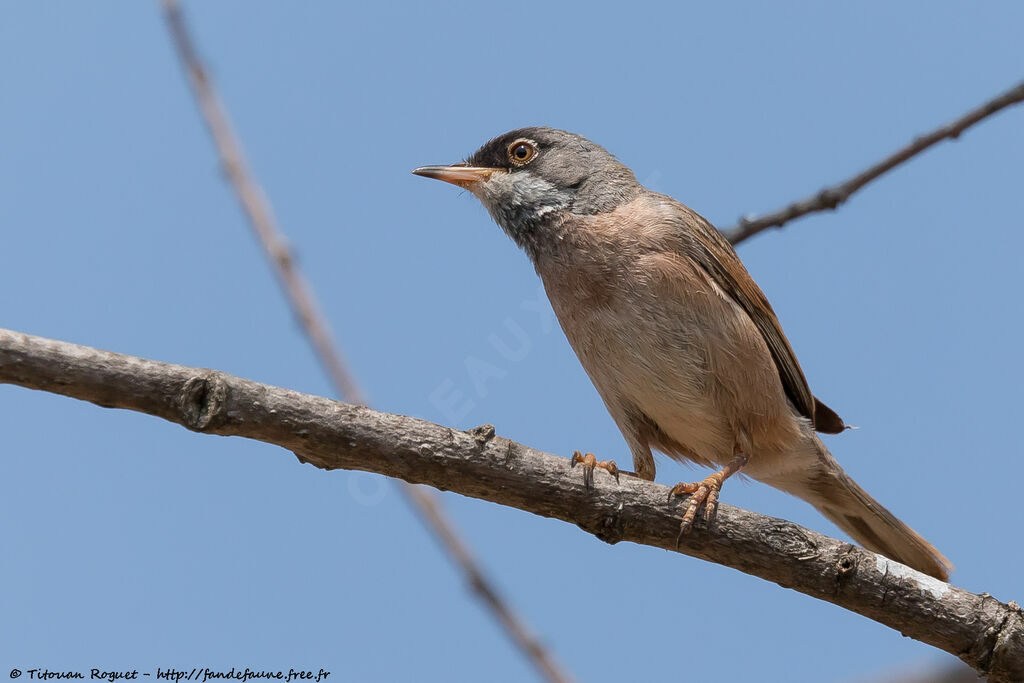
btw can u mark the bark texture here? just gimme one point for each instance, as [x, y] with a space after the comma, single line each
[982, 631]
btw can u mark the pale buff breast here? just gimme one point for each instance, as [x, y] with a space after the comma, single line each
[655, 334]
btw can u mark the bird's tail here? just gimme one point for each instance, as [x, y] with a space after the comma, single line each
[835, 495]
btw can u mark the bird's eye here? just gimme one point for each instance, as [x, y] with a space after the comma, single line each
[522, 152]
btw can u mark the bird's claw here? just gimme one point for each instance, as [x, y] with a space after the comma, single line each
[701, 493]
[589, 463]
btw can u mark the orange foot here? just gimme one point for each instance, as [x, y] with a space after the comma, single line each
[704, 492]
[589, 463]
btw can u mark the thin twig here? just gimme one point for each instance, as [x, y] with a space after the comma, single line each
[513, 625]
[985, 633]
[831, 197]
[257, 209]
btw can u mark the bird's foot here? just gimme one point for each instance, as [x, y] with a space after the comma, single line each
[589, 463]
[705, 493]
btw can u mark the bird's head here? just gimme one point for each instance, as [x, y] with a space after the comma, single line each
[530, 179]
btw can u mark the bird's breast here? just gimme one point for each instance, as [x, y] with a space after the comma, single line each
[655, 335]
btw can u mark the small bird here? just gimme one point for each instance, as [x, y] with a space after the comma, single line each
[680, 342]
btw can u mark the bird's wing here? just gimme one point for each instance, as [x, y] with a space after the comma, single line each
[717, 257]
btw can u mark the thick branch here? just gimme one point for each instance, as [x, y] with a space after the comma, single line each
[831, 197]
[984, 632]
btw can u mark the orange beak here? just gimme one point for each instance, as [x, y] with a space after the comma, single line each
[458, 174]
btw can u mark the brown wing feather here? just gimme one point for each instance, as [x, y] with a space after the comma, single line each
[717, 257]
[825, 419]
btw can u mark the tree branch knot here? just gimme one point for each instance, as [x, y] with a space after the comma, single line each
[201, 400]
[789, 539]
[482, 434]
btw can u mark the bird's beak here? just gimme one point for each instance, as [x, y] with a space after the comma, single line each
[458, 174]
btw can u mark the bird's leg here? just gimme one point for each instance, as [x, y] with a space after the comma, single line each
[705, 492]
[589, 463]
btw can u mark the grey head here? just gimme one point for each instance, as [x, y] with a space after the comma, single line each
[532, 179]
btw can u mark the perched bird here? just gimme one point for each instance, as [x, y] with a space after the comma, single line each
[680, 342]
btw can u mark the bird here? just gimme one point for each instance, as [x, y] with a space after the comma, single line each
[681, 344]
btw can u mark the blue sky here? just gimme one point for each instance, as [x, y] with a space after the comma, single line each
[126, 542]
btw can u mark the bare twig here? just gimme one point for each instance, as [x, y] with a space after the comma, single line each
[831, 197]
[985, 633]
[432, 513]
[952, 672]
[257, 209]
